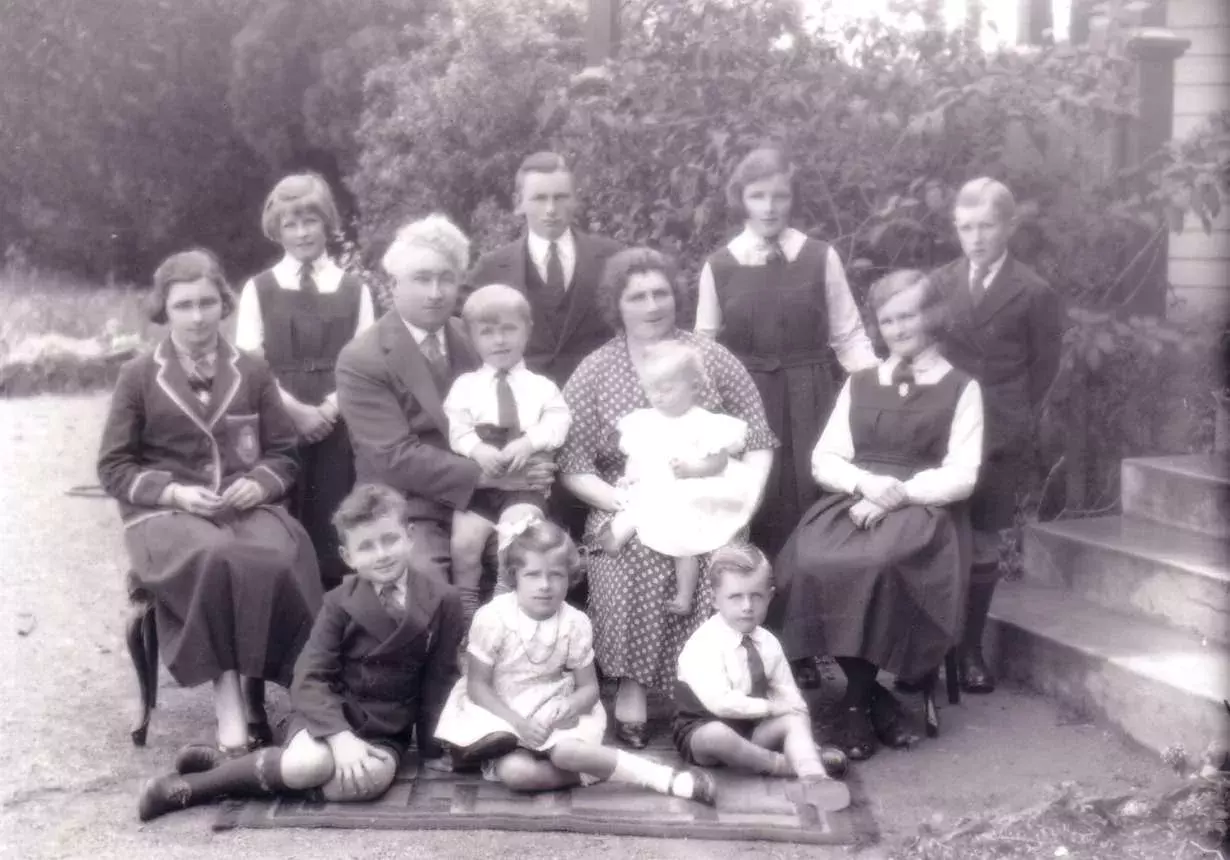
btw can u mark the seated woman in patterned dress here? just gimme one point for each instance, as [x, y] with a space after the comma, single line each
[198, 452]
[877, 567]
[636, 637]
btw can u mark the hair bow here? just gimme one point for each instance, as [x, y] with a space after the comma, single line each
[508, 531]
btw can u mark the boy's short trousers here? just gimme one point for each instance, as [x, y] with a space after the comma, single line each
[684, 723]
[394, 746]
[490, 504]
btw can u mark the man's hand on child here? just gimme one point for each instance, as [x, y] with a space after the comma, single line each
[884, 490]
[518, 452]
[866, 514]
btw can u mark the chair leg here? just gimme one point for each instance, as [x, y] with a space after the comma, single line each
[951, 681]
[142, 639]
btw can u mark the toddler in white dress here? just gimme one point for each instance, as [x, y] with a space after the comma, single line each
[684, 490]
[527, 707]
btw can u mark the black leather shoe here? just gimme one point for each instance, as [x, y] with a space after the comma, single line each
[634, 735]
[885, 717]
[198, 758]
[853, 734]
[260, 734]
[836, 763]
[907, 685]
[162, 795]
[494, 745]
[704, 787]
[974, 674]
[806, 673]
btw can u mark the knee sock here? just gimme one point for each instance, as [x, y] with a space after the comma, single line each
[980, 595]
[255, 775]
[860, 675]
[736, 752]
[635, 770]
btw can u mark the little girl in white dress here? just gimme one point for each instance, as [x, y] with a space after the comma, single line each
[685, 492]
[527, 706]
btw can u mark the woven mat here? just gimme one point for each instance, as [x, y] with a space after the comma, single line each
[749, 808]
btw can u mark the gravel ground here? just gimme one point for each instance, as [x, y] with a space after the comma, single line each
[69, 696]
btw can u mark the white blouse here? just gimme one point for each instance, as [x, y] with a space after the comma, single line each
[847, 336]
[951, 481]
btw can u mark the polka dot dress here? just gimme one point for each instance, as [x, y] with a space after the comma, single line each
[634, 634]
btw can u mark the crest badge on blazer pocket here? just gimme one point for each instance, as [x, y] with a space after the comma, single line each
[243, 434]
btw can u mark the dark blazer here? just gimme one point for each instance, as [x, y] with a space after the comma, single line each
[583, 329]
[158, 432]
[1010, 341]
[362, 671]
[394, 411]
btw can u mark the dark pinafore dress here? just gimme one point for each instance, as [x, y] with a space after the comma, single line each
[775, 319]
[892, 594]
[303, 335]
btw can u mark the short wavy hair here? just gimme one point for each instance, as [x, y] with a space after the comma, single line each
[182, 268]
[541, 162]
[367, 503]
[539, 536]
[670, 357]
[620, 268]
[934, 308]
[436, 233]
[757, 165]
[985, 190]
[299, 192]
[737, 559]
[488, 304]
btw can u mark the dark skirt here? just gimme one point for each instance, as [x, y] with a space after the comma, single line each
[327, 475]
[893, 594]
[238, 595]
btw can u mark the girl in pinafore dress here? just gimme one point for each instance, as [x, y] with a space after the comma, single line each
[878, 566]
[299, 314]
[528, 706]
[686, 493]
[779, 301]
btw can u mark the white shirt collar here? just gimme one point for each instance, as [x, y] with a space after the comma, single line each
[490, 372]
[540, 247]
[731, 637]
[399, 588]
[420, 334]
[750, 249]
[992, 270]
[525, 626]
[290, 267]
[926, 361]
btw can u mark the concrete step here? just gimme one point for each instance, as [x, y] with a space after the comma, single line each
[1189, 491]
[1137, 566]
[1158, 685]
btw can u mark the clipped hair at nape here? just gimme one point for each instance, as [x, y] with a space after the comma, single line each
[737, 559]
[539, 537]
[367, 503]
[491, 303]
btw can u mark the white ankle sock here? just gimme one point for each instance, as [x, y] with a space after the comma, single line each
[649, 774]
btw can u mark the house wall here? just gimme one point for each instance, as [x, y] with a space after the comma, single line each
[1199, 266]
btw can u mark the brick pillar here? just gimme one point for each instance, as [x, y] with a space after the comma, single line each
[1155, 51]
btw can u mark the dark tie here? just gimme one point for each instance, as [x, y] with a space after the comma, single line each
[903, 376]
[388, 597]
[775, 254]
[555, 272]
[755, 668]
[307, 284]
[977, 283]
[506, 405]
[434, 354]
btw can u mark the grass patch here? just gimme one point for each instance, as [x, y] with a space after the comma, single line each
[63, 334]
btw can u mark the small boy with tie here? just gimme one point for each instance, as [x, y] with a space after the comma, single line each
[736, 701]
[1004, 330]
[500, 416]
[378, 666]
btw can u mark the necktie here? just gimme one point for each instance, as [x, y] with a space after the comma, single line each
[307, 284]
[977, 283]
[755, 668]
[388, 597]
[434, 354]
[774, 253]
[506, 405]
[555, 271]
[903, 376]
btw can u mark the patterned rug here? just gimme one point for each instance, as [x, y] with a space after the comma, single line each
[749, 808]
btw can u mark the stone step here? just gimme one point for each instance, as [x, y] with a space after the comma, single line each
[1139, 567]
[1158, 685]
[1188, 491]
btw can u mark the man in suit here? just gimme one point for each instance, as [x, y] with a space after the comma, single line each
[391, 384]
[1005, 331]
[557, 267]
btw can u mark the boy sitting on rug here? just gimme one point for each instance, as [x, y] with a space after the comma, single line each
[736, 702]
[379, 664]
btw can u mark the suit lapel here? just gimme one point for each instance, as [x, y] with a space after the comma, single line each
[227, 380]
[407, 362]
[461, 355]
[581, 290]
[422, 599]
[174, 384]
[999, 293]
[364, 606]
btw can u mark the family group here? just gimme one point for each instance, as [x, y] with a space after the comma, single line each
[726, 504]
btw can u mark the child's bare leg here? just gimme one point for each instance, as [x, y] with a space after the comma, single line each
[520, 771]
[793, 733]
[607, 763]
[230, 711]
[687, 572]
[466, 544]
[717, 743]
[617, 533]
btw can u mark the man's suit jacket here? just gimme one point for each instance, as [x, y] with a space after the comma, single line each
[394, 411]
[1010, 341]
[363, 671]
[556, 354]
